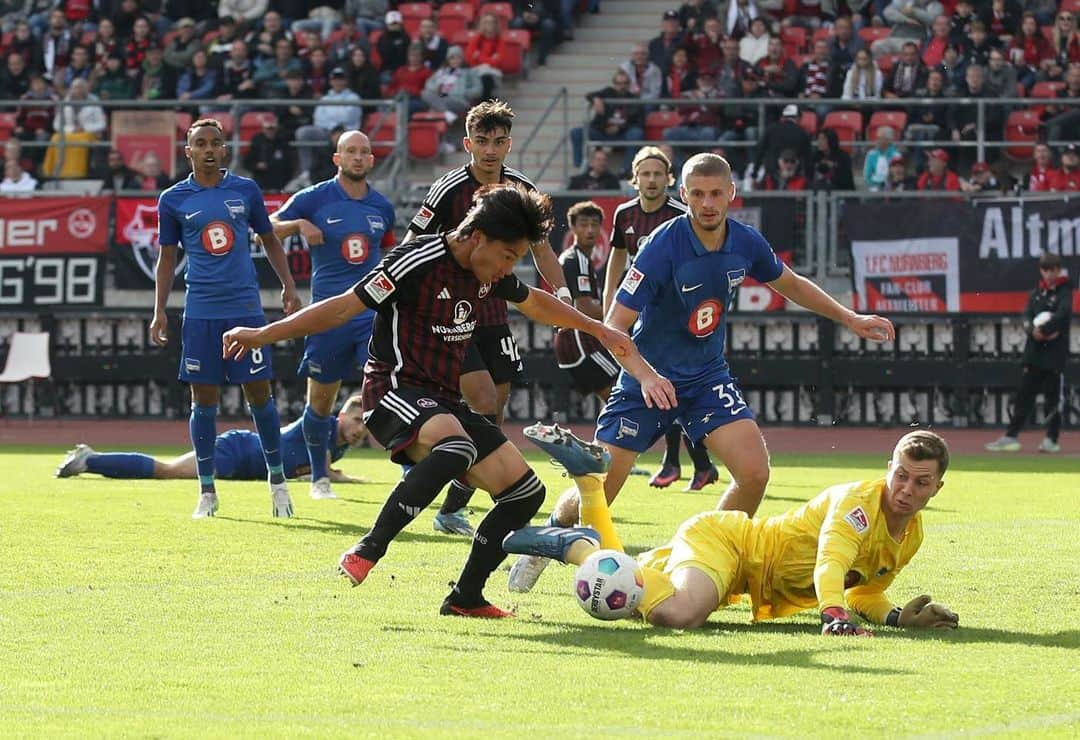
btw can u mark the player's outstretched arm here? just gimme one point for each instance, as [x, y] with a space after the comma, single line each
[550, 269]
[164, 272]
[656, 390]
[316, 318]
[616, 266]
[544, 308]
[275, 254]
[807, 294]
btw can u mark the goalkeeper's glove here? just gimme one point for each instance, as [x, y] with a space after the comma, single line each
[835, 621]
[922, 613]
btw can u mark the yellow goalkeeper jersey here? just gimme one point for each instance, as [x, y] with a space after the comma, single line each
[834, 550]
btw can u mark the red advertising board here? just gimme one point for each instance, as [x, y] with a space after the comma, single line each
[38, 226]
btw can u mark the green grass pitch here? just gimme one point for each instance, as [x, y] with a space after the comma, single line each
[120, 616]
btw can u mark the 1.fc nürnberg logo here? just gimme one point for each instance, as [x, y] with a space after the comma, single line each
[142, 233]
[81, 223]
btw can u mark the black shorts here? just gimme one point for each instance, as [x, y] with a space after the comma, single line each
[595, 372]
[494, 349]
[396, 419]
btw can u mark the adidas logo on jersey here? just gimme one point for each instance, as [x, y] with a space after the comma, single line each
[444, 295]
[630, 229]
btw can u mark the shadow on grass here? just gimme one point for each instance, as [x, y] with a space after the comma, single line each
[569, 638]
[1069, 639]
[344, 529]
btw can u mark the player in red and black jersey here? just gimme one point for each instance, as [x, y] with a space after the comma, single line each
[493, 360]
[427, 296]
[634, 220]
[591, 366]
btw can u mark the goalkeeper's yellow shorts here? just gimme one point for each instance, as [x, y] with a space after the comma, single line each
[713, 543]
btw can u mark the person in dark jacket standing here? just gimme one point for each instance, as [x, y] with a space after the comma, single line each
[1046, 319]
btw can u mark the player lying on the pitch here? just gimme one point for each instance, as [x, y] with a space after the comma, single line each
[839, 550]
[237, 454]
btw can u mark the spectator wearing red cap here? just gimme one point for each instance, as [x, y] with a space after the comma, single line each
[938, 176]
[1067, 179]
[1042, 170]
[982, 180]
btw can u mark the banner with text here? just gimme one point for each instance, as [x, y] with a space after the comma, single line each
[136, 247]
[975, 257]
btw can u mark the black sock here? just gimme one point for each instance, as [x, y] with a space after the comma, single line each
[449, 459]
[457, 497]
[513, 509]
[699, 454]
[672, 441]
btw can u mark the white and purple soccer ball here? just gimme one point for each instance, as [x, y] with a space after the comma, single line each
[609, 585]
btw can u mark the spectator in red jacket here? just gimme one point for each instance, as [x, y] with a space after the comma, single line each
[787, 174]
[410, 79]
[1030, 51]
[1042, 170]
[1067, 179]
[938, 176]
[486, 52]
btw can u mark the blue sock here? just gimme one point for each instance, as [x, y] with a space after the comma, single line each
[317, 439]
[203, 429]
[122, 465]
[268, 425]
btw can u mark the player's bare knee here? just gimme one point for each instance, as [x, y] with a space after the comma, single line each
[257, 392]
[205, 395]
[677, 613]
[754, 479]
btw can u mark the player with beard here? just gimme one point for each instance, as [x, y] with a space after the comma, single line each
[347, 224]
[634, 220]
[210, 215]
[427, 296]
[493, 360]
[674, 300]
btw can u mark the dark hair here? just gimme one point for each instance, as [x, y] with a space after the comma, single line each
[1050, 261]
[203, 122]
[923, 444]
[508, 212]
[584, 208]
[487, 116]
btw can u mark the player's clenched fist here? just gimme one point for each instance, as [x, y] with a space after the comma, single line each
[159, 330]
[236, 342]
[922, 613]
[873, 327]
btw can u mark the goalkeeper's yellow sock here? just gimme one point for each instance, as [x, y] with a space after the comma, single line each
[594, 510]
[658, 588]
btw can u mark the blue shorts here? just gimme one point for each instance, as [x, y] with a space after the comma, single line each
[200, 354]
[238, 455]
[336, 354]
[626, 422]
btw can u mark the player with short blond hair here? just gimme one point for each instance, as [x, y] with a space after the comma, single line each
[841, 550]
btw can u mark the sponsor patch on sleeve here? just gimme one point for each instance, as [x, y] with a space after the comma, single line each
[380, 287]
[632, 280]
[583, 284]
[857, 518]
[423, 217]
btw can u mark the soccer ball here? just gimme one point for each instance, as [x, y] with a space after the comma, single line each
[609, 585]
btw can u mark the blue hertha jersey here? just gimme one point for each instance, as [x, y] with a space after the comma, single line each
[683, 293]
[213, 227]
[354, 232]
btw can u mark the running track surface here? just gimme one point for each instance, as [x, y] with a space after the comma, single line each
[133, 434]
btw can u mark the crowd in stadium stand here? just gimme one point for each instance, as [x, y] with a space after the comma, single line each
[443, 57]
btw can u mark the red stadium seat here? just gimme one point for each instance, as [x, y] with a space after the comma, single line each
[251, 123]
[412, 14]
[226, 121]
[847, 124]
[425, 134]
[657, 121]
[520, 36]
[373, 48]
[794, 39]
[7, 125]
[516, 59]
[821, 34]
[459, 15]
[381, 128]
[1045, 89]
[808, 122]
[504, 11]
[183, 123]
[1069, 6]
[896, 120]
[460, 38]
[870, 34]
[886, 62]
[1021, 130]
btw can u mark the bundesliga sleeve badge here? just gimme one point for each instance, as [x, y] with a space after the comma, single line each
[380, 286]
[857, 518]
[633, 280]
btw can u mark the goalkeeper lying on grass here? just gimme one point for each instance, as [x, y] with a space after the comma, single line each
[841, 550]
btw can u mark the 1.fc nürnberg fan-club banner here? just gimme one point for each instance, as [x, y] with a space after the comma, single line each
[137, 246]
[955, 255]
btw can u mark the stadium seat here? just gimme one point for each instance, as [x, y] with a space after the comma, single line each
[794, 39]
[657, 121]
[847, 124]
[895, 119]
[7, 125]
[1069, 6]
[373, 48]
[183, 123]
[516, 59]
[226, 121]
[425, 134]
[454, 17]
[886, 62]
[460, 38]
[1021, 130]
[520, 36]
[1044, 89]
[412, 14]
[821, 34]
[870, 34]
[251, 123]
[808, 122]
[381, 128]
[504, 11]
